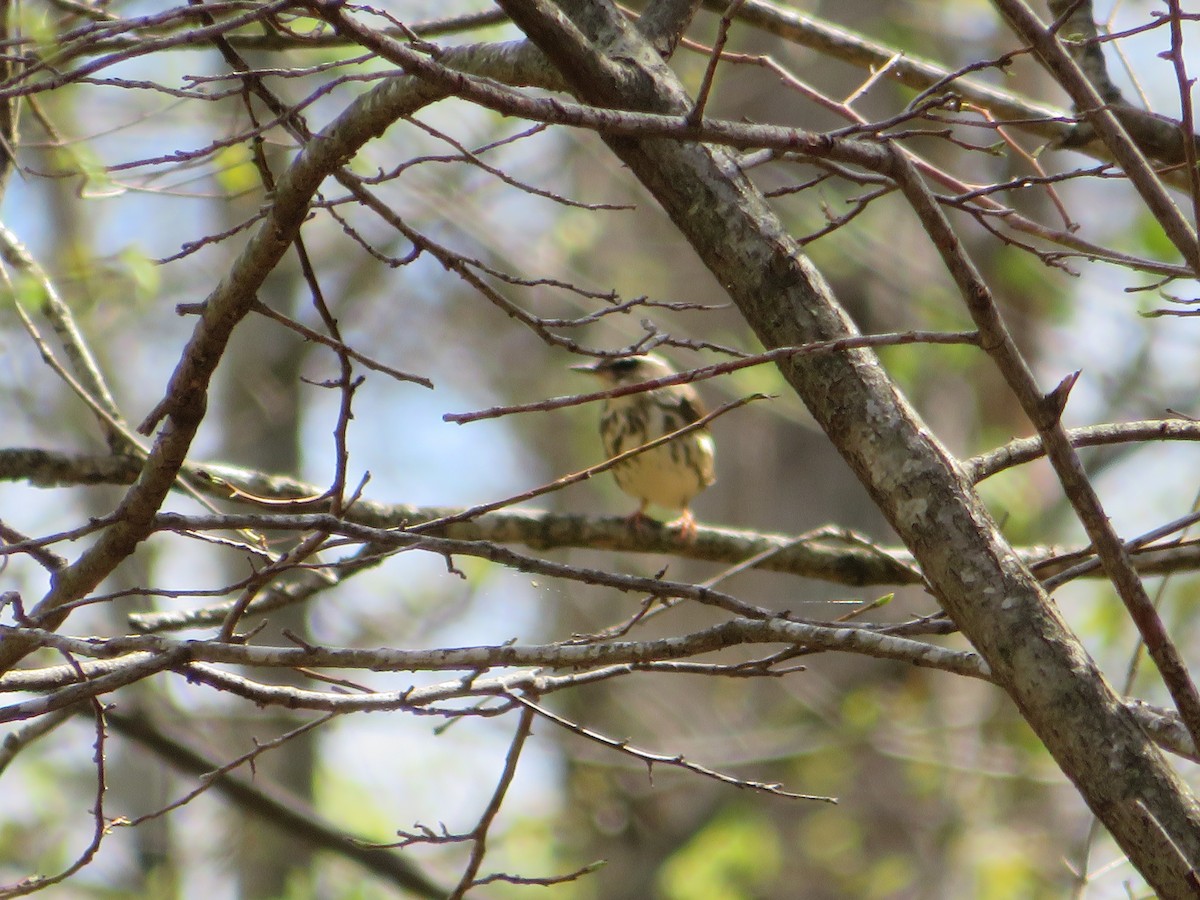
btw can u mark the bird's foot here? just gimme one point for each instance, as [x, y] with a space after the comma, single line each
[641, 523]
[686, 525]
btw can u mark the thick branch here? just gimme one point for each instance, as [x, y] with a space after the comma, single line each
[140, 653]
[916, 483]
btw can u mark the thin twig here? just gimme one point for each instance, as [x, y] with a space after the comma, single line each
[651, 759]
[696, 116]
[480, 832]
[704, 372]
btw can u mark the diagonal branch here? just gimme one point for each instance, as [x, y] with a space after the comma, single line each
[1045, 411]
[184, 405]
[916, 483]
[1106, 124]
[273, 805]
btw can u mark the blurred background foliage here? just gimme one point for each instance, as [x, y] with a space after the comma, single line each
[942, 790]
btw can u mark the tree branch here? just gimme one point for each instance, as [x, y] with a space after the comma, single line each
[978, 579]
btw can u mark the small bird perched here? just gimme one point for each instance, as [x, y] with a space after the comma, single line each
[670, 474]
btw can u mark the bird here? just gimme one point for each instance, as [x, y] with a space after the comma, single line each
[671, 474]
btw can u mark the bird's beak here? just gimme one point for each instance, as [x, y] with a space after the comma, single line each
[590, 368]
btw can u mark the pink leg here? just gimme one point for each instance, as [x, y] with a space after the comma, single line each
[638, 520]
[686, 525]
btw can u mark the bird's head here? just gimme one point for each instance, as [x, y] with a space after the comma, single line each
[628, 369]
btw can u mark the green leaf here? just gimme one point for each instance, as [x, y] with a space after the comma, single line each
[141, 271]
[234, 169]
[96, 181]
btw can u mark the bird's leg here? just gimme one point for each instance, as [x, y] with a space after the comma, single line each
[686, 525]
[638, 520]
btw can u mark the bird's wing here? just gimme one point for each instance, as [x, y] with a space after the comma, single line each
[690, 408]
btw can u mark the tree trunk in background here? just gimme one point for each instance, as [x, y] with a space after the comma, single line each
[261, 428]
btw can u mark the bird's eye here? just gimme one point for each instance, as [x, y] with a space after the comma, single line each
[624, 366]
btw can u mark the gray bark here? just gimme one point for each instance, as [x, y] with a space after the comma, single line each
[917, 484]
